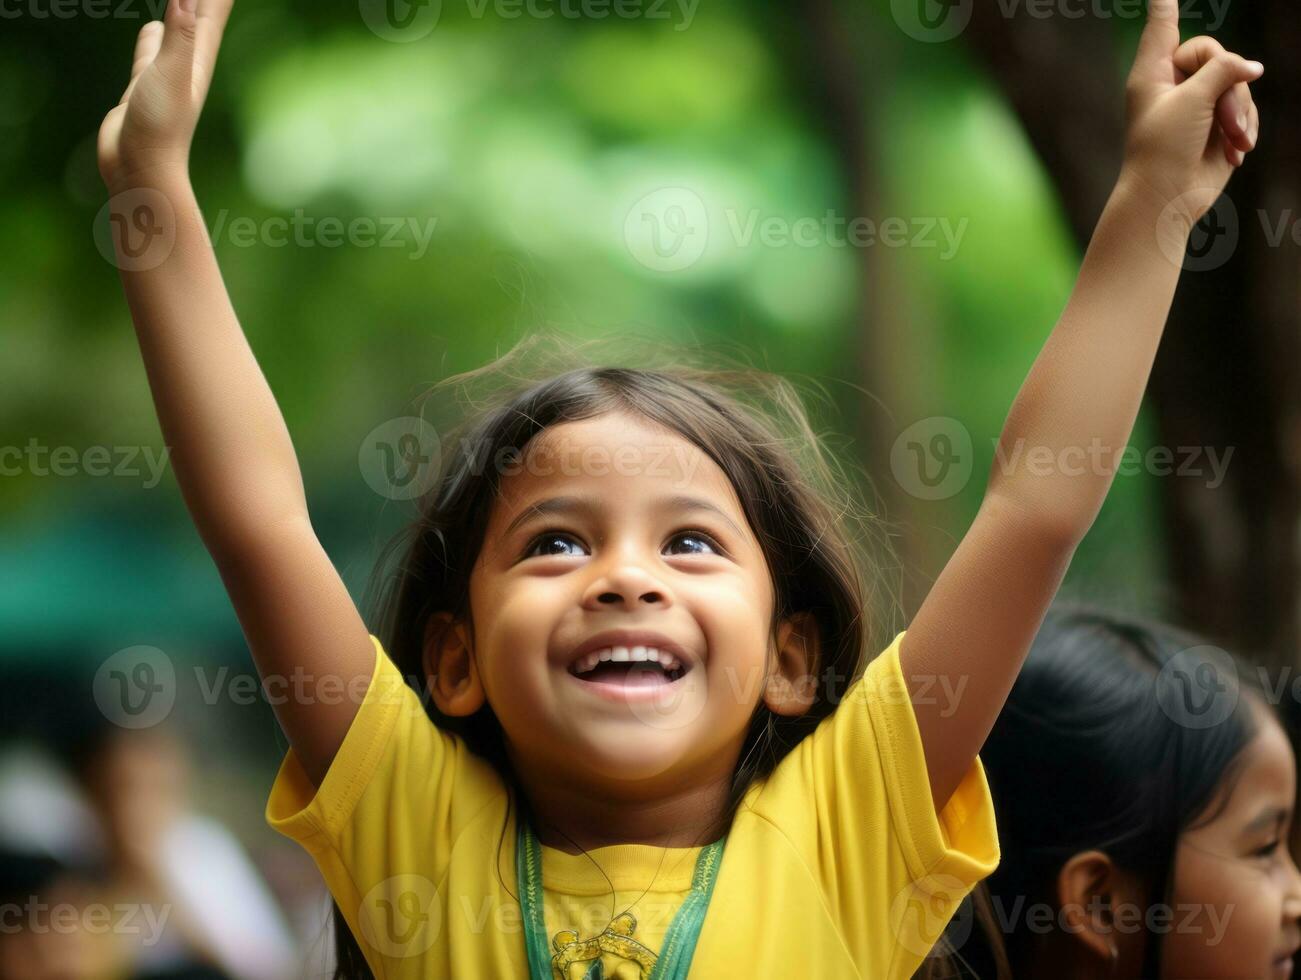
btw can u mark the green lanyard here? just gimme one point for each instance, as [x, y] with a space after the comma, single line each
[674, 958]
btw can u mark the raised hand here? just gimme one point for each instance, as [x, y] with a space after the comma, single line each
[1191, 118]
[150, 129]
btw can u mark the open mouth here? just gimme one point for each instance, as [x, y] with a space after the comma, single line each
[629, 667]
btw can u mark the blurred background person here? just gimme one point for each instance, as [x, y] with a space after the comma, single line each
[182, 897]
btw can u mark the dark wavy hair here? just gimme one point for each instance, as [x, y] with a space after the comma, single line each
[815, 530]
[1106, 743]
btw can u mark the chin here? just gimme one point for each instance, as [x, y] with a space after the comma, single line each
[614, 760]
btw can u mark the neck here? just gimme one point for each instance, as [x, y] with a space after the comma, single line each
[573, 818]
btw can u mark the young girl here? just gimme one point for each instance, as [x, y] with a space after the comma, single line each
[1144, 797]
[657, 748]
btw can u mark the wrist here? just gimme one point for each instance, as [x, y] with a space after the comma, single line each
[167, 177]
[1138, 198]
[1152, 217]
[148, 212]
[1141, 192]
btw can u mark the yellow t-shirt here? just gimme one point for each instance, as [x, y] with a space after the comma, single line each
[836, 864]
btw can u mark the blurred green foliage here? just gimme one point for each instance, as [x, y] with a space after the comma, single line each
[527, 141]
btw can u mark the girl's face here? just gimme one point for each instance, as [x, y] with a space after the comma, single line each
[1237, 890]
[612, 523]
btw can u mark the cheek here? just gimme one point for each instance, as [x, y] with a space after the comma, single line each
[735, 629]
[511, 648]
[1227, 920]
[733, 613]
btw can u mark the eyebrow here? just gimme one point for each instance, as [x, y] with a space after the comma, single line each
[1268, 818]
[589, 505]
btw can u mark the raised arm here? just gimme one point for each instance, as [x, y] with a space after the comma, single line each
[1075, 411]
[229, 447]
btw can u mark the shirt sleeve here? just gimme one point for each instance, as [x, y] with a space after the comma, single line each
[854, 797]
[961, 839]
[395, 798]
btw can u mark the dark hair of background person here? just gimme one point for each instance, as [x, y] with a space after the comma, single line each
[1089, 754]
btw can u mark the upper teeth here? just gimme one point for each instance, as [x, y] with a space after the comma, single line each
[623, 654]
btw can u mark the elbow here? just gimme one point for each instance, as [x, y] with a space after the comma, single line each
[232, 544]
[1058, 520]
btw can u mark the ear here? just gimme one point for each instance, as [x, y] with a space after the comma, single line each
[792, 686]
[1094, 894]
[450, 668]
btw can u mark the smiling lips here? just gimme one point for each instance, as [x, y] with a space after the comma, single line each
[638, 666]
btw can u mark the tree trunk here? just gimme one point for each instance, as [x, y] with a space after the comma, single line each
[1225, 377]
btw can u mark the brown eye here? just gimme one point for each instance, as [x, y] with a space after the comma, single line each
[698, 536]
[547, 537]
[1268, 849]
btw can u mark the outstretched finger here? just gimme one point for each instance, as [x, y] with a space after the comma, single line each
[1160, 34]
[176, 52]
[210, 26]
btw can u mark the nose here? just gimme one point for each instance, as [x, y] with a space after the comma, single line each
[626, 580]
[1292, 901]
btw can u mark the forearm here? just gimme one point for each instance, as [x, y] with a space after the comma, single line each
[228, 443]
[1075, 411]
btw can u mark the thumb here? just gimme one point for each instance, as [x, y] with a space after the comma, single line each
[175, 59]
[1220, 74]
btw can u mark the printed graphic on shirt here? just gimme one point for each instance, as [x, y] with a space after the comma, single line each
[613, 955]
